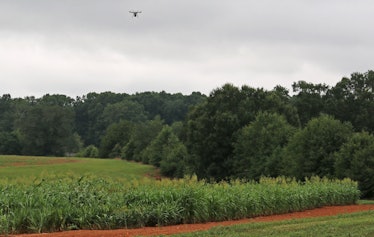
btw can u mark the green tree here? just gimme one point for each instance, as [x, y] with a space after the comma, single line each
[89, 115]
[170, 107]
[173, 163]
[141, 136]
[167, 152]
[352, 100]
[7, 113]
[116, 136]
[56, 99]
[123, 110]
[212, 126]
[258, 146]
[9, 143]
[310, 152]
[210, 129]
[46, 130]
[309, 100]
[155, 151]
[355, 160]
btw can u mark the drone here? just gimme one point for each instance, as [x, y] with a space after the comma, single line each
[135, 13]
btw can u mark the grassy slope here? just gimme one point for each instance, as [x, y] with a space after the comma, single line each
[357, 224]
[28, 168]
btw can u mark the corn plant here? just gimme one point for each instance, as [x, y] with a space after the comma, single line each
[95, 203]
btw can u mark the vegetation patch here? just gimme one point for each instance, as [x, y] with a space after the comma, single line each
[95, 203]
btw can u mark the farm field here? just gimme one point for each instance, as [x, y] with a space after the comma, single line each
[302, 223]
[86, 194]
[22, 169]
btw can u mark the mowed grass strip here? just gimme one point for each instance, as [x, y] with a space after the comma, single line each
[353, 225]
[27, 168]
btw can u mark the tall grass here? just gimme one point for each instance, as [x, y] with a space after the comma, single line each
[92, 203]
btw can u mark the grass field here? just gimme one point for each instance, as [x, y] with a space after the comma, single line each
[352, 225]
[26, 168]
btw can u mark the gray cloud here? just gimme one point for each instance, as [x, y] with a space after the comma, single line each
[74, 47]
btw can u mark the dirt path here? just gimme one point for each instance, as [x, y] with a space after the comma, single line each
[167, 230]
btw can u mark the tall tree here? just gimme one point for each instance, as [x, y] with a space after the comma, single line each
[7, 113]
[124, 110]
[88, 115]
[259, 144]
[309, 99]
[311, 150]
[355, 160]
[352, 100]
[116, 136]
[173, 162]
[46, 130]
[212, 127]
[56, 99]
[210, 132]
[141, 136]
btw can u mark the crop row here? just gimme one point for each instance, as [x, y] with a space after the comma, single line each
[90, 203]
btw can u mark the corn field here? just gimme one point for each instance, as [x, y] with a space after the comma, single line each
[93, 203]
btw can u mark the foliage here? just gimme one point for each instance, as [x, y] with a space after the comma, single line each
[309, 99]
[173, 164]
[7, 113]
[106, 204]
[9, 143]
[123, 110]
[116, 136]
[355, 160]
[167, 152]
[90, 151]
[311, 150]
[46, 130]
[352, 99]
[89, 111]
[141, 136]
[170, 107]
[258, 146]
[212, 127]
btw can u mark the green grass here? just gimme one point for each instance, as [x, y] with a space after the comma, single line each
[364, 202]
[27, 168]
[352, 225]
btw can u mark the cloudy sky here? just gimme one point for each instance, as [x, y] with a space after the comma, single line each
[74, 47]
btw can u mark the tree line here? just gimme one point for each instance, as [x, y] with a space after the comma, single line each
[234, 132]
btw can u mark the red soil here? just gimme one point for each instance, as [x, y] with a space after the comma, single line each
[167, 230]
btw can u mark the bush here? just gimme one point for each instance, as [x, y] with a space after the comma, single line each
[90, 151]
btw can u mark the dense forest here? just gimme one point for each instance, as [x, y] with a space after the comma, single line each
[231, 133]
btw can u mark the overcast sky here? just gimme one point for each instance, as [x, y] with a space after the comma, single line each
[74, 47]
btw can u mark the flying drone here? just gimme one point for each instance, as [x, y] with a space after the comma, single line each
[135, 13]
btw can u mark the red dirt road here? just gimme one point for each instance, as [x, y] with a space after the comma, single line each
[167, 230]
